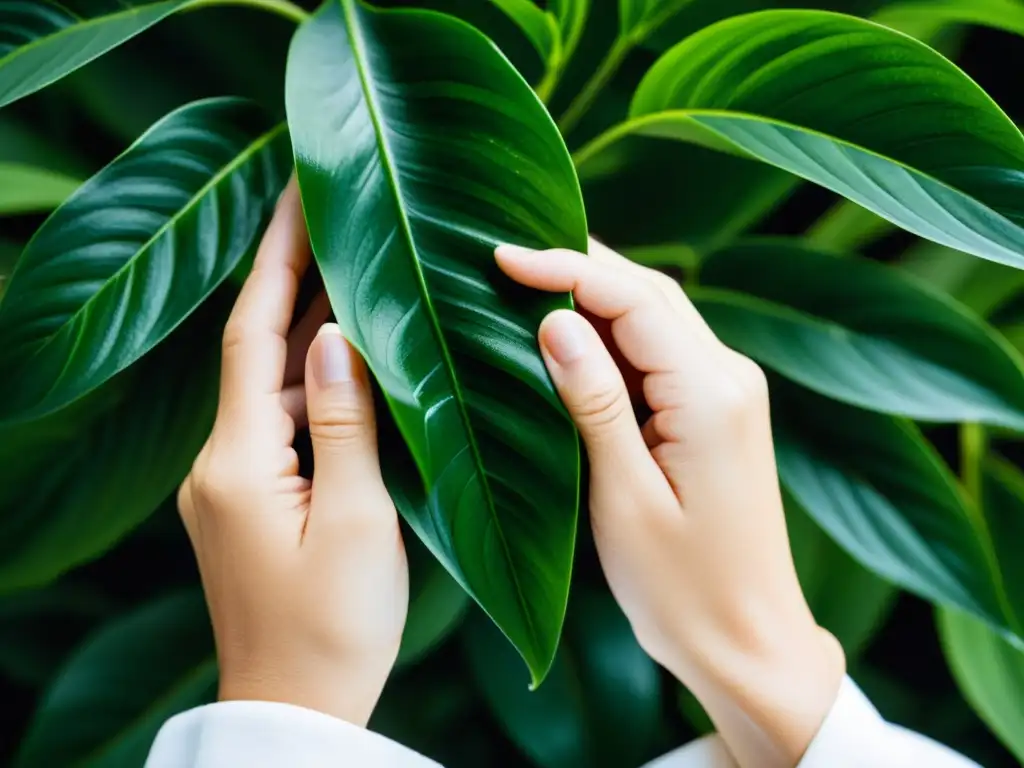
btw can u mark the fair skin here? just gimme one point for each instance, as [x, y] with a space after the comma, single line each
[307, 581]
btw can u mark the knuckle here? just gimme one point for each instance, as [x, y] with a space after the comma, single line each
[743, 391]
[602, 407]
[339, 423]
[233, 337]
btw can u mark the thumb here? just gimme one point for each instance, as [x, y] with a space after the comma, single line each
[341, 420]
[592, 388]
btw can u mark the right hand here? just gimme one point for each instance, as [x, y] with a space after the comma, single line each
[686, 508]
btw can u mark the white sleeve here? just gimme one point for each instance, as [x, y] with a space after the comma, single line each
[258, 734]
[853, 735]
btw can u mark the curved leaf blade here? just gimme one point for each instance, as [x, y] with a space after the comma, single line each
[989, 670]
[136, 249]
[41, 41]
[116, 691]
[860, 109]
[1005, 15]
[413, 131]
[601, 705]
[27, 189]
[539, 26]
[879, 490]
[861, 333]
[77, 481]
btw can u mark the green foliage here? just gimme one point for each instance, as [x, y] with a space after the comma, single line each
[419, 146]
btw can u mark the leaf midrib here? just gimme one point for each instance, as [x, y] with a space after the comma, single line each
[354, 33]
[83, 23]
[240, 159]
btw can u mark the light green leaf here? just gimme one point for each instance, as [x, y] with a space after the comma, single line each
[572, 19]
[1005, 15]
[26, 189]
[639, 18]
[601, 703]
[41, 41]
[419, 149]
[846, 599]
[74, 483]
[106, 706]
[540, 27]
[436, 605]
[989, 669]
[860, 332]
[865, 111]
[135, 250]
[880, 491]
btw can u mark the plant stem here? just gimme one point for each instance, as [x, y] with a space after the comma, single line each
[605, 71]
[283, 8]
[973, 444]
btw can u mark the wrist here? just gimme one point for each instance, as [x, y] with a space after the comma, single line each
[771, 693]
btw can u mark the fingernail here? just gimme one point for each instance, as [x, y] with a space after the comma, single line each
[333, 362]
[565, 339]
[508, 251]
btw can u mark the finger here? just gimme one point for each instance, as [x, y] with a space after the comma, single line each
[346, 476]
[302, 336]
[293, 400]
[593, 390]
[255, 344]
[642, 321]
[671, 289]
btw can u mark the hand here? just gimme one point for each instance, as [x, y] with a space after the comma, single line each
[686, 509]
[307, 582]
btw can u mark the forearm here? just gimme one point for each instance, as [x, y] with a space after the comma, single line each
[767, 698]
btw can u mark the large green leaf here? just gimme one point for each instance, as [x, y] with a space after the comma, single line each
[27, 189]
[880, 491]
[601, 703]
[74, 483]
[107, 704]
[418, 149]
[989, 669]
[1006, 15]
[41, 41]
[846, 599]
[136, 249]
[860, 332]
[865, 111]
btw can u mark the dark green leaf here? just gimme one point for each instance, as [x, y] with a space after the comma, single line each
[989, 668]
[860, 332]
[41, 41]
[600, 705]
[436, 605]
[75, 482]
[115, 692]
[540, 27]
[419, 149]
[879, 490]
[846, 599]
[640, 18]
[27, 189]
[136, 249]
[867, 112]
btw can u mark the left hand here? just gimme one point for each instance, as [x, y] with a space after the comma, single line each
[307, 582]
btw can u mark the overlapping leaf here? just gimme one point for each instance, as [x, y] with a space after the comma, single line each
[27, 189]
[41, 41]
[601, 703]
[869, 113]
[860, 332]
[107, 704]
[418, 149]
[879, 490]
[135, 250]
[1006, 15]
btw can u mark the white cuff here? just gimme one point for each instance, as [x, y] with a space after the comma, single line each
[258, 734]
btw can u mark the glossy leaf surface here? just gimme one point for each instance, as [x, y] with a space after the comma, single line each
[136, 249]
[106, 706]
[600, 706]
[989, 669]
[861, 333]
[879, 490]
[869, 113]
[539, 26]
[74, 483]
[419, 149]
[41, 41]
[26, 189]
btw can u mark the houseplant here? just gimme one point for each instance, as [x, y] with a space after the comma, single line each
[419, 146]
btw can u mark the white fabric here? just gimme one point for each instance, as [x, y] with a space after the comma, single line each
[267, 735]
